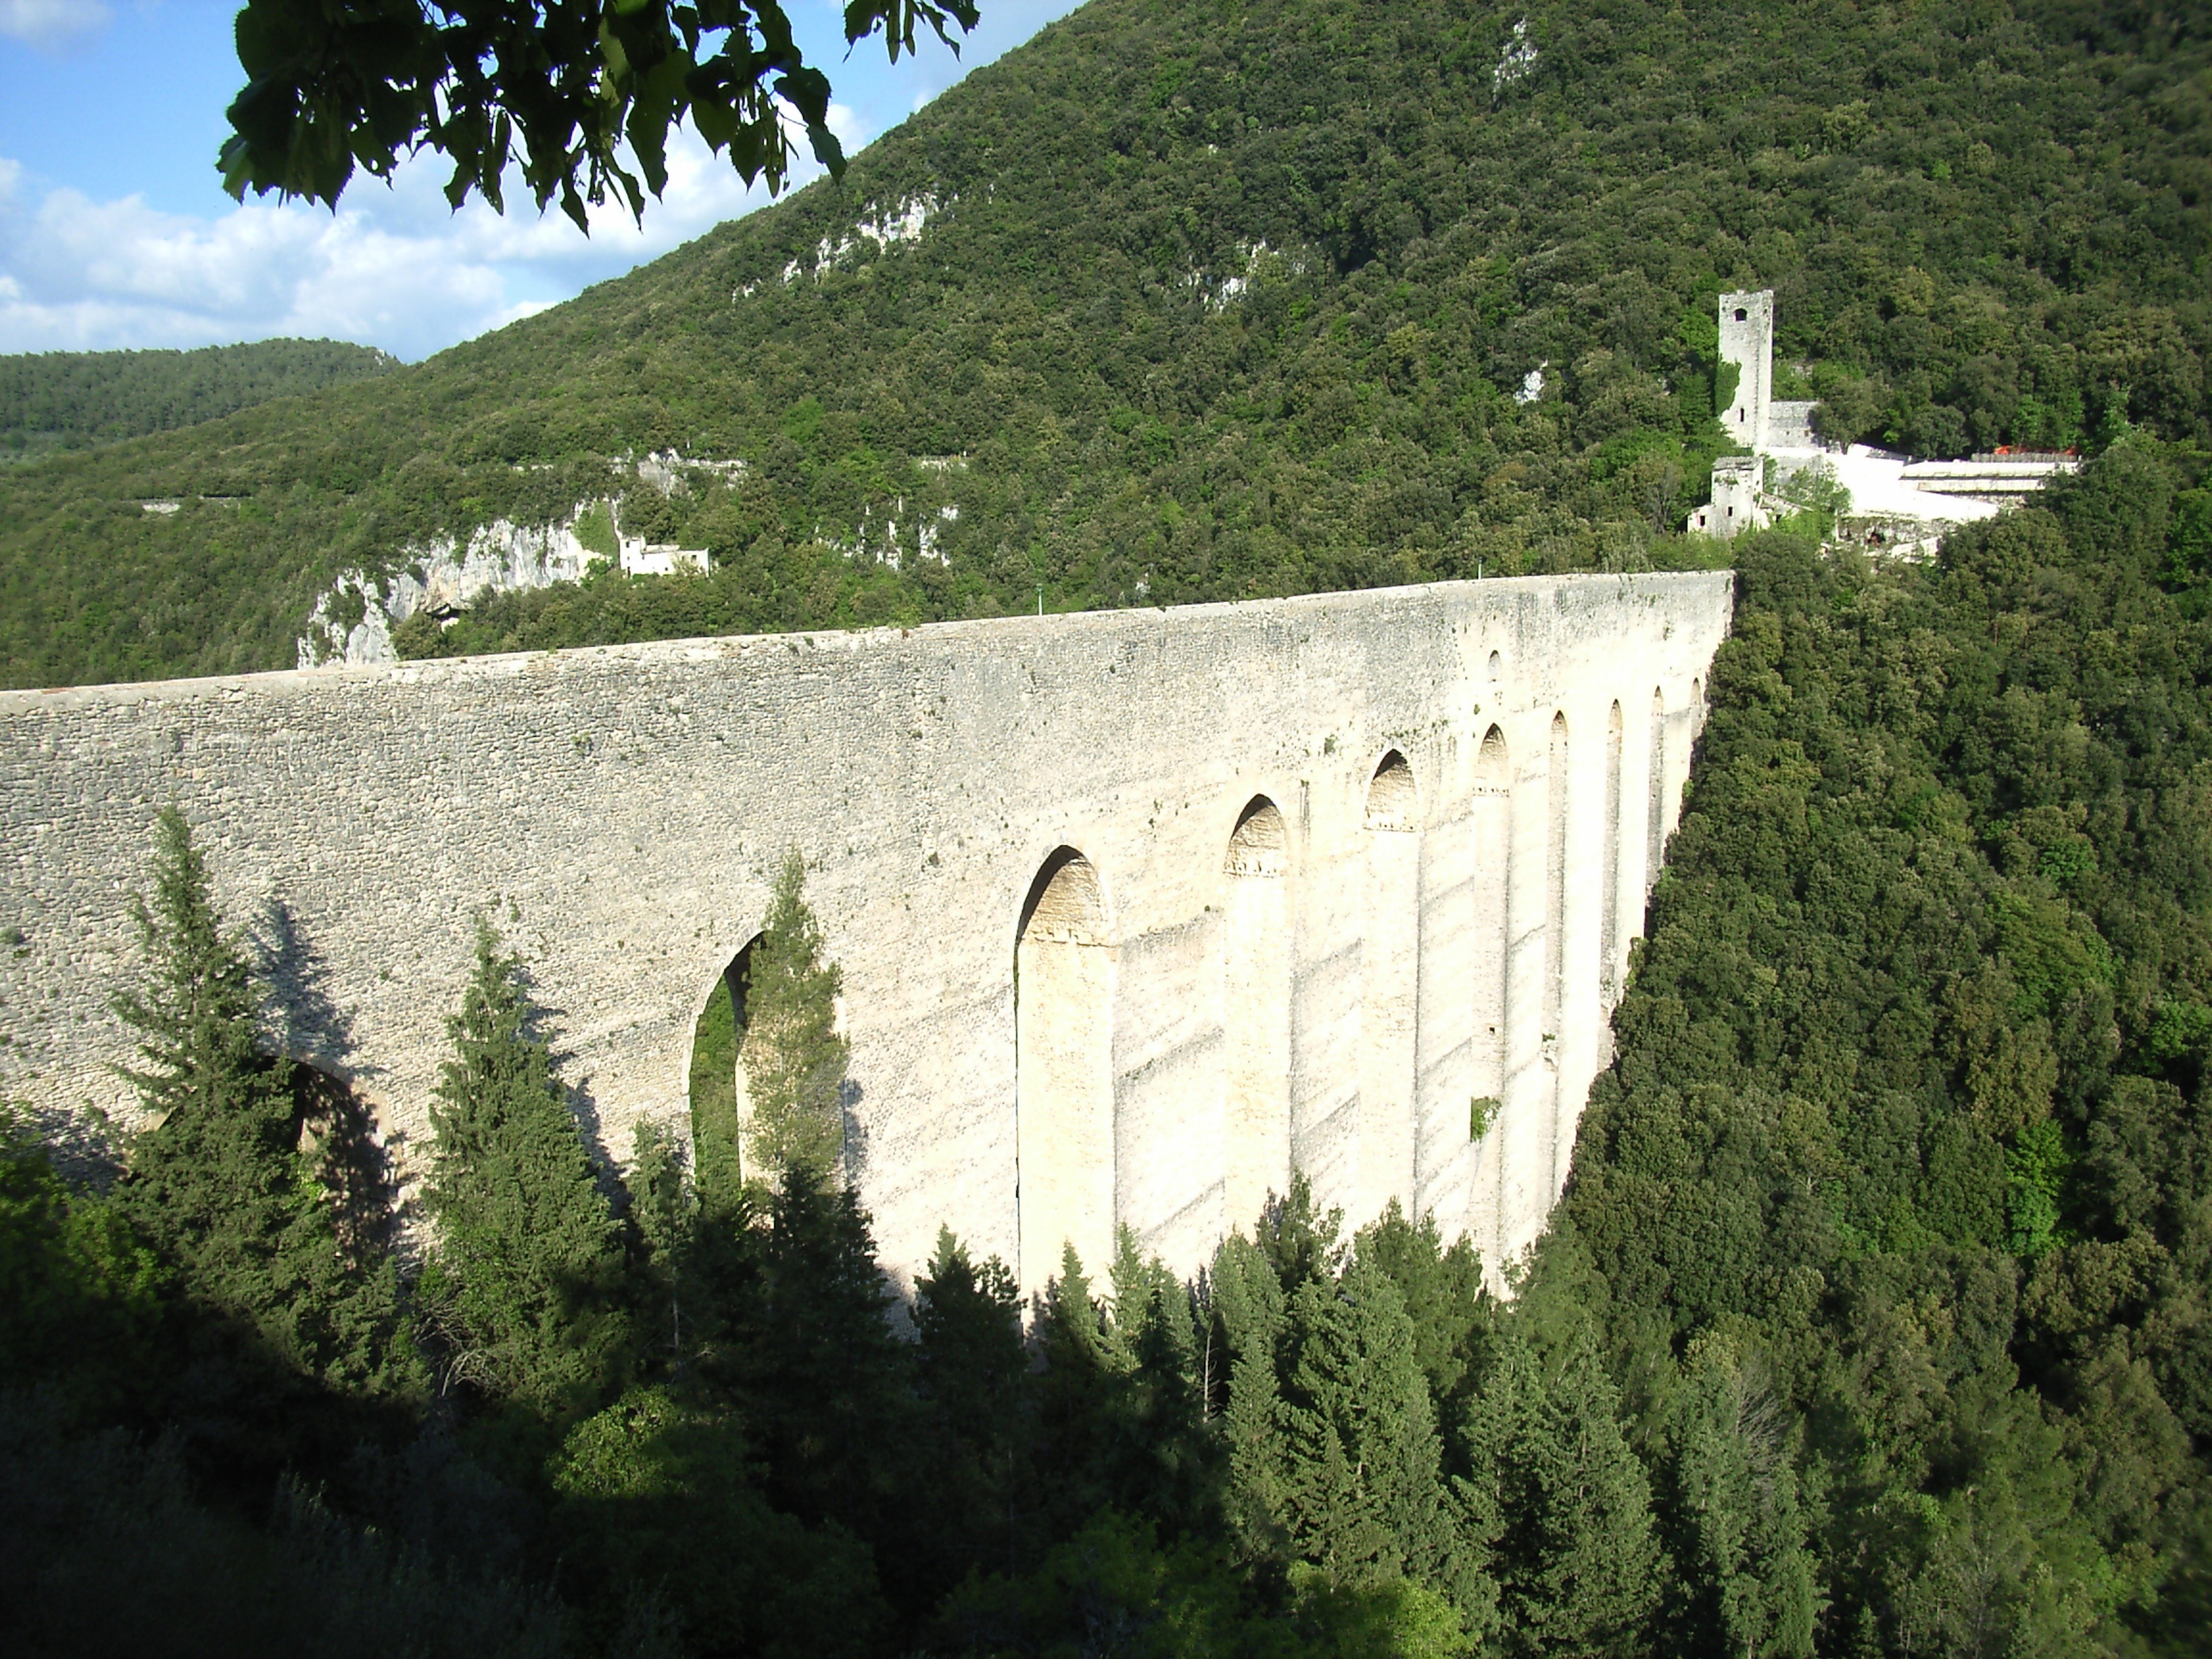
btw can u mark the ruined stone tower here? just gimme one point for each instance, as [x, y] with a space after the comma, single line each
[1734, 507]
[1748, 341]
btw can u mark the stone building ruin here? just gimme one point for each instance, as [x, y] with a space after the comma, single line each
[1735, 507]
[1138, 911]
[1754, 417]
[1897, 505]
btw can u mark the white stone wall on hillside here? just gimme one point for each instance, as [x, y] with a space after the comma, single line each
[1514, 61]
[1789, 424]
[643, 558]
[1356, 863]
[881, 227]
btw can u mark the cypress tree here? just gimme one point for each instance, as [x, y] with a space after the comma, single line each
[663, 1209]
[1247, 1312]
[972, 1368]
[1739, 1535]
[519, 1286]
[1575, 1564]
[794, 1059]
[1362, 1457]
[716, 1138]
[1443, 1292]
[218, 1183]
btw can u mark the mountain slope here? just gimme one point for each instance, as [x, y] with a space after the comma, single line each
[1186, 301]
[76, 399]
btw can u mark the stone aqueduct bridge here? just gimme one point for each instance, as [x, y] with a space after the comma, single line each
[1288, 883]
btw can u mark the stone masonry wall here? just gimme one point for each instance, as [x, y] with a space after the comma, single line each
[1434, 938]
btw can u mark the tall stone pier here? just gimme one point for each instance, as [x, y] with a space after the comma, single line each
[1138, 910]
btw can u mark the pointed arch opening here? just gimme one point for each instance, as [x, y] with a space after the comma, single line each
[1555, 921]
[1256, 1014]
[1654, 789]
[1392, 801]
[1259, 844]
[335, 1124]
[1609, 924]
[1064, 1070]
[1389, 988]
[1493, 853]
[722, 1109]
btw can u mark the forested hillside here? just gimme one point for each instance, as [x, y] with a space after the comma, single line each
[1189, 300]
[1876, 1320]
[58, 400]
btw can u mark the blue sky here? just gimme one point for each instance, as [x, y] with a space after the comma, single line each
[115, 231]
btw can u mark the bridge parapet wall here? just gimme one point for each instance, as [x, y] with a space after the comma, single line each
[619, 812]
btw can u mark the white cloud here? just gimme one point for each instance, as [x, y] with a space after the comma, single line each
[52, 23]
[848, 129]
[393, 267]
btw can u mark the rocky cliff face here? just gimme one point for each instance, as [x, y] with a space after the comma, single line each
[352, 622]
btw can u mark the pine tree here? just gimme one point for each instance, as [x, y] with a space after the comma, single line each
[1121, 1415]
[1162, 1463]
[1249, 1293]
[1739, 1538]
[218, 1183]
[519, 1287]
[967, 1326]
[825, 1378]
[79, 1305]
[1299, 1242]
[1076, 1390]
[664, 1530]
[793, 1057]
[1576, 1565]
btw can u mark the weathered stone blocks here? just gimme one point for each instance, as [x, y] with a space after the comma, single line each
[1346, 866]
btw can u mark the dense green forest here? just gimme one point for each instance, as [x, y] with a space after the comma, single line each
[1207, 300]
[1876, 1319]
[62, 400]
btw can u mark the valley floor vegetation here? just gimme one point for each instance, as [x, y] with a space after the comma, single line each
[1876, 1319]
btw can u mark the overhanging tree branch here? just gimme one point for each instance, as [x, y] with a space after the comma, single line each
[560, 88]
